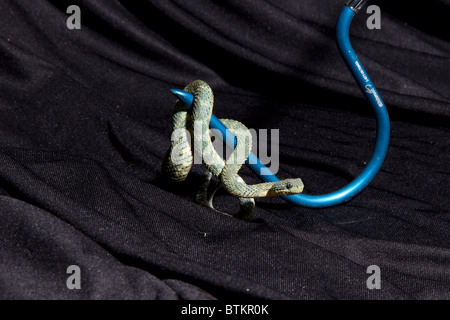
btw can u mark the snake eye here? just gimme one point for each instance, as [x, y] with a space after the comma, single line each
[289, 185]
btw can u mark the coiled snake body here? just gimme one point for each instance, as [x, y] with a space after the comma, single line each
[179, 158]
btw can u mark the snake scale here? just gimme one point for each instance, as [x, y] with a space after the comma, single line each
[191, 134]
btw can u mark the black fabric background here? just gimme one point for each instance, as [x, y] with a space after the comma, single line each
[86, 120]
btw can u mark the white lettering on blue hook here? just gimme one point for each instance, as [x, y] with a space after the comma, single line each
[371, 90]
[366, 78]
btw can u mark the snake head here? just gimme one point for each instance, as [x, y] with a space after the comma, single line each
[287, 187]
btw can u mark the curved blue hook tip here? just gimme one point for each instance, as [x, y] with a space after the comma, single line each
[186, 97]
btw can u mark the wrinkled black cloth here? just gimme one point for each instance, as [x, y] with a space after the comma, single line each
[86, 121]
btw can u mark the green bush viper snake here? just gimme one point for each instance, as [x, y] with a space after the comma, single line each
[192, 135]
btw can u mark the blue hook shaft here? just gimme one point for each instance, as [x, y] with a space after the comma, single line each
[383, 126]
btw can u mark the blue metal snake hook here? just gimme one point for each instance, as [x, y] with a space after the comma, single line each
[367, 87]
